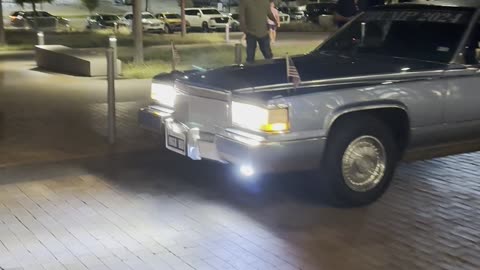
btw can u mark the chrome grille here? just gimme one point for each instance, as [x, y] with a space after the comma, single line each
[221, 20]
[201, 108]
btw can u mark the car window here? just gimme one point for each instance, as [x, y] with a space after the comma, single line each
[192, 12]
[210, 12]
[173, 16]
[129, 16]
[424, 34]
[472, 48]
[110, 18]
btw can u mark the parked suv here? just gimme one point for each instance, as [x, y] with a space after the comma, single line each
[102, 21]
[206, 19]
[44, 20]
[149, 22]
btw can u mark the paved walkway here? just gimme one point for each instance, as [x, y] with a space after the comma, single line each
[55, 117]
[155, 210]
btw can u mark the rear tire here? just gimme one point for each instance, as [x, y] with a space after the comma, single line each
[359, 160]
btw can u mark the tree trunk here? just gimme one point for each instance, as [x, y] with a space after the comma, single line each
[35, 25]
[184, 22]
[137, 30]
[2, 28]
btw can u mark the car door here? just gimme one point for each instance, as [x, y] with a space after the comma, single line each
[462, 109]
[193, 18]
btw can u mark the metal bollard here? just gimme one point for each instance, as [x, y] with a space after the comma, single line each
[40, 38]
[113, 44]
[227, 33]
[238, 53]
[111, 96]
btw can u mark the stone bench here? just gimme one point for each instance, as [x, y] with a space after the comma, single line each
[66, 60]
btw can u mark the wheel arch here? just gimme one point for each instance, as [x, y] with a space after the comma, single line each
[393, 114]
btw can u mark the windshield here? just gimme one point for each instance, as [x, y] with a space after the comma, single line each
[110, 17]
[424, 34]
[172, 16]
[147, 16]
[210, 12]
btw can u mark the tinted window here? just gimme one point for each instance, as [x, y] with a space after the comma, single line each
[128, 16]
[191, 12]
[431, 35]
[172, 16]
[110, 17]
[210, 12]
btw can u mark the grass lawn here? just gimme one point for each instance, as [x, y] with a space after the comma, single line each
[91, 39]
[157, 60]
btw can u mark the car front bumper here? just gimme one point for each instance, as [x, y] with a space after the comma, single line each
[233, 146]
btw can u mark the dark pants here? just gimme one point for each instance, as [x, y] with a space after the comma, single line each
[263, 43]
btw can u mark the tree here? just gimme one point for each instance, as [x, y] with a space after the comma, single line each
[137, 30]
[34, 7]
[2, 29]
[91, 5]
[184, 4]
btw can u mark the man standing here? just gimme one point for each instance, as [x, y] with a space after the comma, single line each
[347, 9]
[253, 22]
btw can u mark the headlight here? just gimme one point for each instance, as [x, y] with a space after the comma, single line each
[163, 94]
[260, 119]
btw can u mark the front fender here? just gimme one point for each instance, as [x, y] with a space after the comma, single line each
[361, 106]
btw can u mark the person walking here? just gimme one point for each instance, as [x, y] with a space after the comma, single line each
[253, 22]
[272, 25]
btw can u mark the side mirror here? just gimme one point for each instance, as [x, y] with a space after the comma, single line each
[199, 14]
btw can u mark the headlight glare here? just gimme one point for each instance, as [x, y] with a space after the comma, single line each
[163, 94]
[260, 119]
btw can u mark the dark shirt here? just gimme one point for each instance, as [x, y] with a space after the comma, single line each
[348, 8]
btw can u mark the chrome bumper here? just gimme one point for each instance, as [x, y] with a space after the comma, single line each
[236, 148]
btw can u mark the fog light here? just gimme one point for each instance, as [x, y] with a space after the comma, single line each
[246, 170]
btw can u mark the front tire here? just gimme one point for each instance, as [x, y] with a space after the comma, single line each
[359, 161]
[205, 28]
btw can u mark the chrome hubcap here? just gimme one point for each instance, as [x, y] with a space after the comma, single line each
[363, 163]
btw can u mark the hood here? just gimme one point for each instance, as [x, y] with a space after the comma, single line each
[315, 66]
[152, 20]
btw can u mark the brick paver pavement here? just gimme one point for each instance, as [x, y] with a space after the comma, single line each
[47, 117]
[155, 210]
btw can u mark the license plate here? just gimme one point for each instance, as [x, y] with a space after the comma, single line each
[176, 144]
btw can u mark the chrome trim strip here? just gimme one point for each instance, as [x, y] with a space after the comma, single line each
[392, 77]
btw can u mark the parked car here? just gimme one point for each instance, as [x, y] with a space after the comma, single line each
[42, 19]
[173, 22]
[103, 21]
[206, 19]
[396, 79]
[284, 18]
[149, 22]
[322, 11]
[294, 12]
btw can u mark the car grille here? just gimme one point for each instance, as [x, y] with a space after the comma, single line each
[155, 24]
[201, 108]
[221, 20]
